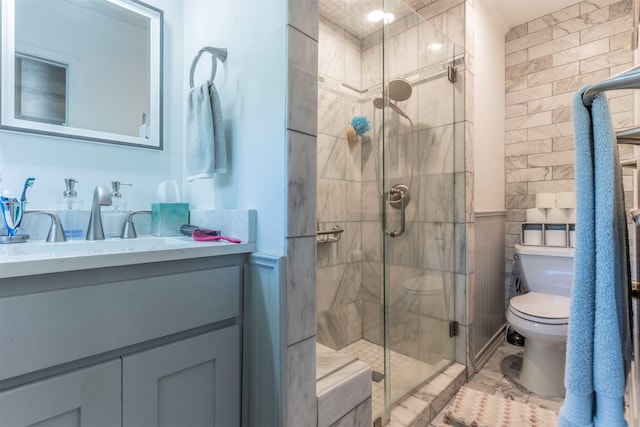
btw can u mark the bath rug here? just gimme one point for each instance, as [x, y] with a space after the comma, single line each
[473, 408]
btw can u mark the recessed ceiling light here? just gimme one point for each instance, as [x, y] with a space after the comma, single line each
[378, 15]
[375, 16]
[435, 46]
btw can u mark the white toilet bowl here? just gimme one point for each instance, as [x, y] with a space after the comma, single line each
[542, 317]
[543, 320]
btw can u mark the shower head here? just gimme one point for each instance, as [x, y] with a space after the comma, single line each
[380, 103]
[398, 90]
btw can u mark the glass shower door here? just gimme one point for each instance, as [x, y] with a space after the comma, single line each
[385, 288]
[417, 113]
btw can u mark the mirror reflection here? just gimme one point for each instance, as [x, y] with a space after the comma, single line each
[87, 69]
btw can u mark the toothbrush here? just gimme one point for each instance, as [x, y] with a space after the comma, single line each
[19, 211]
[28, 183]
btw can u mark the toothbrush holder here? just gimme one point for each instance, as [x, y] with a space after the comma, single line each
[12, 211]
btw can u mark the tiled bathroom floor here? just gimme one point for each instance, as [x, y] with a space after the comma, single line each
[499, 377]
[405, 371]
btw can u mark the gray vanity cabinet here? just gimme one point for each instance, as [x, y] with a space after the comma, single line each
[192, 382]
[87, 397]
[145, 345]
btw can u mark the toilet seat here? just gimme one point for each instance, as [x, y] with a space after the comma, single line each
[541, 308]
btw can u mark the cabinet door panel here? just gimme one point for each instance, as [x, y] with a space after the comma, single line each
[87, 397]
[194, 382]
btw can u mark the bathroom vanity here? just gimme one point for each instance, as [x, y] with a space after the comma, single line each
[134, 333]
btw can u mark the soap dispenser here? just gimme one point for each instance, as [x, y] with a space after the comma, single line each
[70, 211]
[113, 218]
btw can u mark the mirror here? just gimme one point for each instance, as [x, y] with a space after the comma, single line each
[83, 69]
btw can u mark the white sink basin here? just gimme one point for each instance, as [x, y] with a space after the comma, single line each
[39, 257]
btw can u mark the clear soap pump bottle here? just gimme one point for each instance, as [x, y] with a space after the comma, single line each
[113, 218]
[70, 211]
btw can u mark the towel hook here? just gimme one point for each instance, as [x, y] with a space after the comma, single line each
[216, 53]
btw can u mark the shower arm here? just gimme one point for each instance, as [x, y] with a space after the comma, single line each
[398, 192]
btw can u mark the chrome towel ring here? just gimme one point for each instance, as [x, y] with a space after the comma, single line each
[216, 53]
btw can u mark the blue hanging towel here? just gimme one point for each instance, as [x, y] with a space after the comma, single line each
[599, 339]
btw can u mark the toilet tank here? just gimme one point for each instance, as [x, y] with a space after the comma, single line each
[546, 269]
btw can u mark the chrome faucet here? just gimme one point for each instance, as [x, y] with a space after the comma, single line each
[101, 197]
[56, 232]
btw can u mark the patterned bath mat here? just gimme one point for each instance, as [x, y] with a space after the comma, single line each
[473, 408]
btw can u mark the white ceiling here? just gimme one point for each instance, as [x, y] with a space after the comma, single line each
[516, 12]
[350, 14]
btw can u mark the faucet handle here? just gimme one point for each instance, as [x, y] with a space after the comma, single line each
[128, 230]
[56, 231]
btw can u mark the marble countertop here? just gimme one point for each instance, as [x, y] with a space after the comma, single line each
[32, 258]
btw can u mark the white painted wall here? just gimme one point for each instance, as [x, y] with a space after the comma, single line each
[489, 116]
[252, 85]
[51, 160]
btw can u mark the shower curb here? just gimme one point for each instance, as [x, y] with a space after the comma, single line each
[423, 405]
[343, 390]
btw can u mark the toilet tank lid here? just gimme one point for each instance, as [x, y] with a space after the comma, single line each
[544, 250]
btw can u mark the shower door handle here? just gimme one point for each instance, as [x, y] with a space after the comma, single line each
[397, 192]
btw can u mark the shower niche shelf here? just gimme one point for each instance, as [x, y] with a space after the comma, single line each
[329, 236]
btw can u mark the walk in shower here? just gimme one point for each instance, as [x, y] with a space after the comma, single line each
[386, 278]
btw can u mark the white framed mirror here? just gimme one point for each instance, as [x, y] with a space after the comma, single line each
[84, 69]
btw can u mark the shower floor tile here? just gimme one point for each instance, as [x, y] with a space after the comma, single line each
[405, 371]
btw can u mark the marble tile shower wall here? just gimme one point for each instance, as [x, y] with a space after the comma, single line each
[547, 61]
[338, 264]
[349, 272]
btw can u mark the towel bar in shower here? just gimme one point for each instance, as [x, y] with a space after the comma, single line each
[216, 53]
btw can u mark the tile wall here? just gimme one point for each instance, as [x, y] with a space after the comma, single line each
[298, 294]
[339, 187]
[547, 61]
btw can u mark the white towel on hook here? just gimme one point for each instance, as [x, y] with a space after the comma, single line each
[206, 151]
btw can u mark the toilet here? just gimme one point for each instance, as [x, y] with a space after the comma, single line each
[542, 316]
